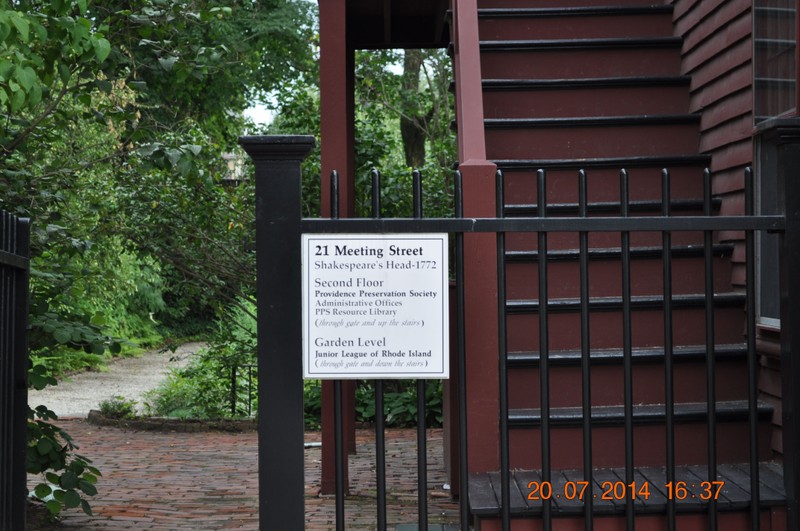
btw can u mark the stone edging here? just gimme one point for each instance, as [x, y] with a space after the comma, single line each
[175, 425]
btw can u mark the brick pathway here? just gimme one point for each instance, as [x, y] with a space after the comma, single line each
[209, 480]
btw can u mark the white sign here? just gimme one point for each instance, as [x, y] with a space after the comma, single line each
[375, 306]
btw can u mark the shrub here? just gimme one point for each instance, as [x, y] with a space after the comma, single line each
[118, 407]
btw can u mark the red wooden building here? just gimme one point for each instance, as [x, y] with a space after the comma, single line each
[600, 86]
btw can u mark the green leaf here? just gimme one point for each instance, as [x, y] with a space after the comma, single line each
[26, 77]
[98, 319]
[82, 6]
[5, 69]
[87, 488]
[64, 73]
[22, 26]
[17, 100]
[72, 499]
[42, 490]
[86, 507]
[69, 480]
[63, 335]
[54, 507]
[102, 48]
[44, 446]
[5, 31]
[167, 63]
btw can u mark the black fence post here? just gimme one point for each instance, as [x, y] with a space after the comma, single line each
[780, 152]
[279, 292]
[14, 275]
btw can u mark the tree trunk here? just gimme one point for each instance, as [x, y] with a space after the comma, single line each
[412, 122]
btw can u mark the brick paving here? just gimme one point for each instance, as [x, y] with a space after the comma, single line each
[209, 480]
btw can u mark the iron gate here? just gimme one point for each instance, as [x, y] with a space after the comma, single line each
[277, 162]
[14, 266]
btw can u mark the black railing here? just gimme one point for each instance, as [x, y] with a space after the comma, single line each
[283, 220]
[242, 393]
[14, 273]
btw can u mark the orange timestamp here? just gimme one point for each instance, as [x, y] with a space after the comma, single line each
[619, 490]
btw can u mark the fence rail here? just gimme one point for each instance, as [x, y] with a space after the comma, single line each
[14, 273]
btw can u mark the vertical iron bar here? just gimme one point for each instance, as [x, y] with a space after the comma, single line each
[250, 391]
[627, 351]
[281, 483]
[463, 463]
[505, 493]
[338, 400]
[711, 394]
[6, 393]
[21, 310]
[586, 368]
[422, 458]
[752, 355]
[233, 390]
[669, 384]
[380, 424]
[544, 355]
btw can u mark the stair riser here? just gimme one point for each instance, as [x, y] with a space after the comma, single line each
[587, 142]
[570, 101]
[735, 521]
[605, 279]
[606, 329]
[561, 3]
[608, 445]
[521, 241]
[579, 63]
[603, 184]
[607, 384]
[568, 27]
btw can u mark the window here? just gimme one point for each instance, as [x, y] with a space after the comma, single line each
[774, 63]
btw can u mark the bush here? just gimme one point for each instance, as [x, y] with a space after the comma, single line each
[118, 407]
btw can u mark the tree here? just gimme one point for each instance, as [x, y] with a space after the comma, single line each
[107, 107]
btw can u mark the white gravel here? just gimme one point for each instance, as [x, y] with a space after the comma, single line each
[127, 377]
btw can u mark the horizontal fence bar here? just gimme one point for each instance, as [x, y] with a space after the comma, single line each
[610, 224]
[14, 260]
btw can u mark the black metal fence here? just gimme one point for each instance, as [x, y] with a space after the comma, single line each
[280, 387]
[14, 268]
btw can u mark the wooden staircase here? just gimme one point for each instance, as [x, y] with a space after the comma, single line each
[596, 85]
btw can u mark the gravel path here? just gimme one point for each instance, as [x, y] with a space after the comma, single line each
[128, 377]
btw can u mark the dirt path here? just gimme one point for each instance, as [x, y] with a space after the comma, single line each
[127, 377]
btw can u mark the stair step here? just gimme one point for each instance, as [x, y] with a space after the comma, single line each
[645, 178]
[607, 379]
[580, 58]
[588, 21]
[483, 4]
[586, 137]
[614, 253]
[508, 98]
[726, 411]
[658, 161]
[614, 304]
[590, 121]
[607, 327]
[571, 358]
[608, 207]
[485, 490]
